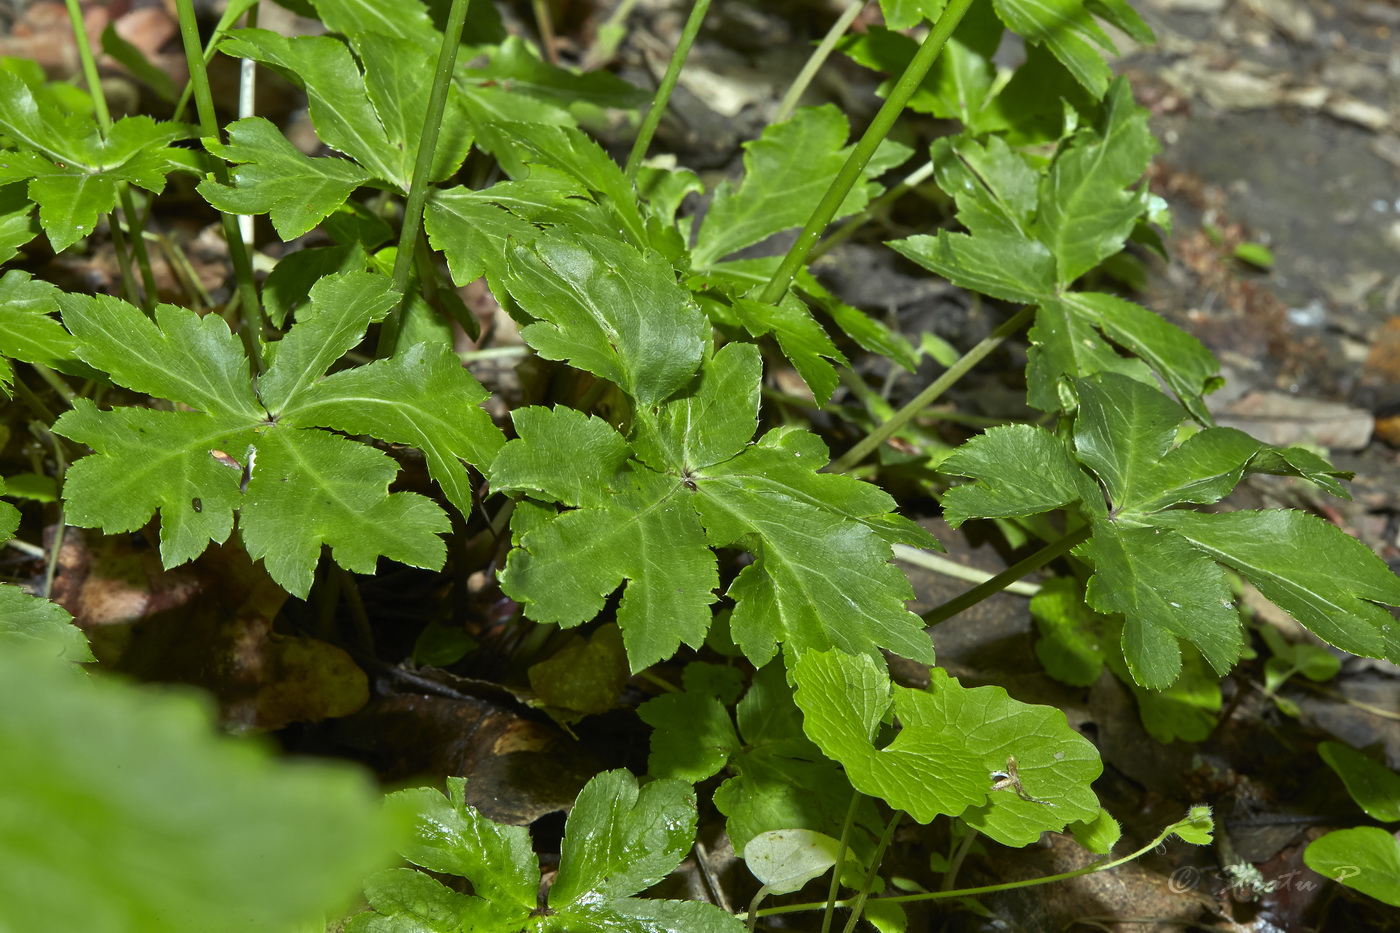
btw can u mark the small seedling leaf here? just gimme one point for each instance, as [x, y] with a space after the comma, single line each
[786, 859]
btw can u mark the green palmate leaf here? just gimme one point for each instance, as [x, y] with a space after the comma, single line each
[786, 171]
[472, 227]
[29, 333]
[994, 188]
[693, 736]
[1003, 266]
[374, 117]
[1323, 577]
[781, 780]
[821, 574]
[633, 525]
[296, 191]
[954, 745]
[1069, 31]
[1374, 787]
[802, 339]
[618, 840]
[608, 309]
[421, 397]
[1065, 346]
[18, 225]
[1366, 858]
[123, 810]
[514, 64]
[1022, 470]
[73, 170]
[453, 838]
[406, 900]
[1165, 589]
[573, 154]
[301, 488]
[1086, 213]
[1183, 362]
[1159, 568]
[960, 83]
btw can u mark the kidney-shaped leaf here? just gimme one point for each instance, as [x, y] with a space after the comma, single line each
[1010, 769]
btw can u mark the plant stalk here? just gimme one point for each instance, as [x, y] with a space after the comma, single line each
[817, 59]
[990, 888]
[104, 123]
[663, 93]
[841, 846]
[879, 128]
[251, 321]
[858, 906]
[843, 232]
[422, 168]
[1004, 579]
[927, 397]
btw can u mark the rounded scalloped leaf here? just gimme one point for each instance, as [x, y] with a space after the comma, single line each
[1010, 769]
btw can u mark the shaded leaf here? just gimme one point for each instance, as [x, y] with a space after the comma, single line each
[692, 736]
[786, 171]
[1374, 787]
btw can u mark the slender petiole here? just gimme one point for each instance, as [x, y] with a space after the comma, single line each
[663, 93]
[422, 169]
[251, 326]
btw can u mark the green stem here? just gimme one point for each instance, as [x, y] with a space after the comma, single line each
[879, 128]
[1004, 579]
[843, 233]
[940, 385]
[663, 93]
[817, 59]
[841, 847]
[251, 323]
[422, 169]
[104, 123]
[60, 524]
[135, 226]
[992, 888]
[858, 907]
